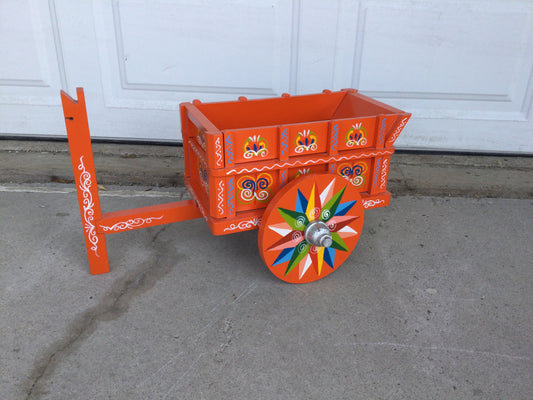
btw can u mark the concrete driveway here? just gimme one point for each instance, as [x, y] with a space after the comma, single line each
[436, 302]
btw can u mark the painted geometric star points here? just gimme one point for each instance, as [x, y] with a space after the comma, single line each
[324, 206]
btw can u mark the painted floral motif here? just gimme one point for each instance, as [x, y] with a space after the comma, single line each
[354, 173]
[306, 141]
[255, 146]
[356, 136]
[326, 207]
[250, 188]
[302, 171]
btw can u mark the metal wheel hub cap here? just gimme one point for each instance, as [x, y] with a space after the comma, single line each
[317, 234]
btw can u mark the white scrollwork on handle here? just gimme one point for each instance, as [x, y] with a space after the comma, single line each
[88, 206]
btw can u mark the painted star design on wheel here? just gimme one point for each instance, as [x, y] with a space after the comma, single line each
[326, 207]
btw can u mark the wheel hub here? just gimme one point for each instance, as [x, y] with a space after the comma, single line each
[317, 234]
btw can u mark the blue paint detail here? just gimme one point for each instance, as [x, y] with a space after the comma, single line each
[301, 202]
[284, 142]
[283, 178]
[376, 173]
[229, 149]
[284, 256]
[329, 256]
[230, 196]
[343, 208]
[332, 168]
[335, 136]
[382, 131]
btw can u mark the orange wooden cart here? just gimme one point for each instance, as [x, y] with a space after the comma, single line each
[302, 169]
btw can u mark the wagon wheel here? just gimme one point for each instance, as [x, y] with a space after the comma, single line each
[310, 227]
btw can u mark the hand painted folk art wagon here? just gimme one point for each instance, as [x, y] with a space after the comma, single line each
[302, 169]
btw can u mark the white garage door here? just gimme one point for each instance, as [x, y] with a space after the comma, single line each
[463, 68]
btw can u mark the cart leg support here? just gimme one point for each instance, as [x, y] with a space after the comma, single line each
[81, 154]
[96, 225]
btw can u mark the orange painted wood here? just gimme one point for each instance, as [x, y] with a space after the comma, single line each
[81, 154]
[135, 218]
[302, 162]
[267, 143]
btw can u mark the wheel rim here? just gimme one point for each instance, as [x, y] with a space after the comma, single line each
[293, 227]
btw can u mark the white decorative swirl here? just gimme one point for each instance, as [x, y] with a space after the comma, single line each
[250, 153]
[296, 236]
[396, 133]
[262, 195]
[220, 197]
[314, 214]
[325, 214]
[351, 143]
[357, 180]
[132, 223]
[88, 204]
[372, 203]
[310, 162]
[301, 148]
[384, 171]
[247, 194]
[301, 246]
[248, 224]
[332, 226]
[218, 151]
[300, 221]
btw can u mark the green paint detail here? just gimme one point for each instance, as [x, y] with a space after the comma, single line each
[338, 243]
[297, 221]
[299, 253]
[332, 204]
